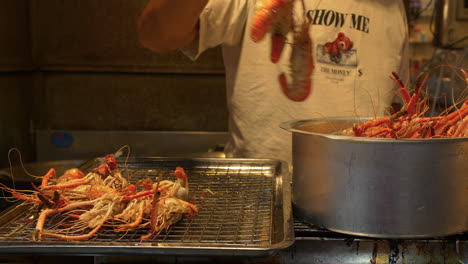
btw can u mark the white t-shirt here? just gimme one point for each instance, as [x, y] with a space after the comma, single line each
[355, 82]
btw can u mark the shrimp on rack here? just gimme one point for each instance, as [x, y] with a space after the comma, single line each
[84, 204]
[170, 205]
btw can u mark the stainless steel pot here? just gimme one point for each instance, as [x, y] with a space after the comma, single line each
[388, 188]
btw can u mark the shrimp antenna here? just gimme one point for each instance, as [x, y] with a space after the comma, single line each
[303, 5]
[21, 165]
[119, 153]
[334, 128]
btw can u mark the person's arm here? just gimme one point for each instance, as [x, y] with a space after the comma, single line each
[166, 25]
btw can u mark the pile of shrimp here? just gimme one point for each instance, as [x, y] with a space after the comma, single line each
[276, 18]
[411, 121]
[103, 197]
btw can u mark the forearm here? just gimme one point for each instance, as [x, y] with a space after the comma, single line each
[169, 24]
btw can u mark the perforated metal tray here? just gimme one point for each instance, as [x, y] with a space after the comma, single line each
[247, 213]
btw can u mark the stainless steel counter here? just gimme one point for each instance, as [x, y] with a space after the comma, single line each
[308, 248]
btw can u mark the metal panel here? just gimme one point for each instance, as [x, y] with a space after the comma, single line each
[164, 102]
[85, 144]
[101, 36]
[15, 52]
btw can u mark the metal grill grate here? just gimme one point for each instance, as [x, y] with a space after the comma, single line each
[236, 201]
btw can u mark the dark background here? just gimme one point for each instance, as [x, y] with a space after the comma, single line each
[77, 65]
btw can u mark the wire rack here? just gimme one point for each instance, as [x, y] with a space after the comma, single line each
[241, 205]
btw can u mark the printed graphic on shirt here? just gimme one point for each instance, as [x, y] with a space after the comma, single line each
[337, 56]
[333, 18]
[337, 52]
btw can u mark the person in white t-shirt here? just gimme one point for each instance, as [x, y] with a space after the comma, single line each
[346, 82]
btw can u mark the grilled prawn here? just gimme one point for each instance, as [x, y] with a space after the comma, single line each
[276, 17]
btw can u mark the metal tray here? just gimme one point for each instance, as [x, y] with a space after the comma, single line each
[248, 213]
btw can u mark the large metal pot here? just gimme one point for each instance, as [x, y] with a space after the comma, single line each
[389, 188]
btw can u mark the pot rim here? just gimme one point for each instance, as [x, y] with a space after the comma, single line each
[292, 125]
